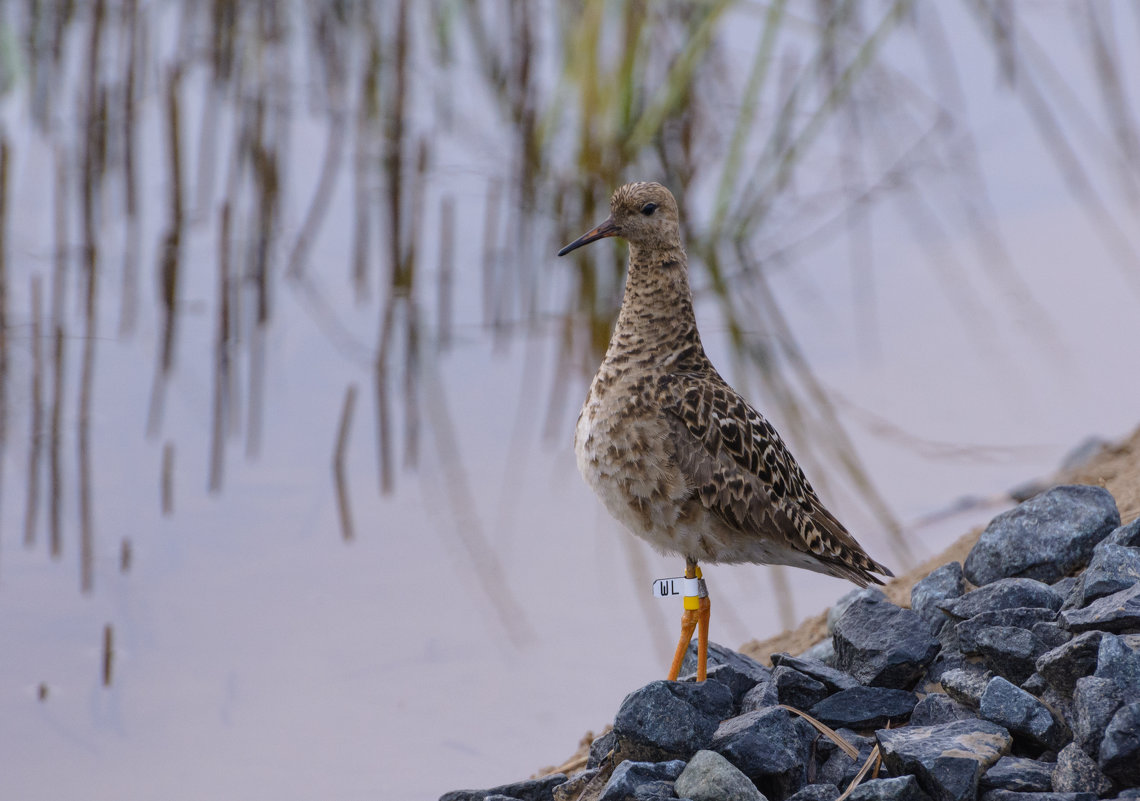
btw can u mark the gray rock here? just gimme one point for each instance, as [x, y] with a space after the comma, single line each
[1128, 536]
[1064, 586]
[871, 593]
[816, 792]
[722, 655]
[939, 708]
[1063, 665]
[1021, 714]
[1077, 772]
[883, 645]
[1117, 661]
[1007, 593]
[670, 720]
[762, 696]
[903, 788]
[629, 776]
[1120, 749]
[865, 707]
[1019, 774]
[946, 759]
[1009, 652]
[941, 584]
[529, 790]
[967, 683]
[1051, 634]
[600, 747]
[1008, 795]
[653, 791]
[822, 651]
[1113, 568]
[1045, 538]
[767, 747]
[1131, 792]
[711, 777]
[572, 788]
[1117, 612]
[1019, 617]
[831, 678]
[738, 683]
[840, 769]
[1035, 684]
[1095, 701]
[797, 689]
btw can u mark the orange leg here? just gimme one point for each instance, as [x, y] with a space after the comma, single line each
[704, 614]
[696, 614]
[688, 623]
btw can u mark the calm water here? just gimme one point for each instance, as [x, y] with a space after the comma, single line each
[289, 506]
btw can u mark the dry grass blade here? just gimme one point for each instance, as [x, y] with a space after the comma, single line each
[826, 730]
[873, 759]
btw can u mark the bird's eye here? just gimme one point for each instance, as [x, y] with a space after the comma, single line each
[648, 209]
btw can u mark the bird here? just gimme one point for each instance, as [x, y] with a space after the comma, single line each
[674, 452]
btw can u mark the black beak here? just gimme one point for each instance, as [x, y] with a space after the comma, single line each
[607, 228]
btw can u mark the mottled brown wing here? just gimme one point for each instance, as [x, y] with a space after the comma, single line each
[741, 470]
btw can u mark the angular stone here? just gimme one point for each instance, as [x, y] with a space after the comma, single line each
[865, 707]
[1052, 635]
[1077, 772]
[529, 790]
[723, 655]
[1113, 568]
[1019, 774]
[1045, 538]
[1009, 652]
[1018, 617]
[822, 651]
[1095, 701]
[670, 720]
[903, 788]
[831, 678]
[816, 792]
[1021, 714]
[837, 609]
[941, 584]
[711, 777]
[1063, 665]
[946, 759]
[767, 747]
[572, 788]
[762, 696]
[600, 747]
[630, 775]
[967, 683]
[1128, 536]
[1007, 593]
[836, 767]
[1035, 684]
[883, 645]
[1117, 661]
[738, 683]
[797, 689]
[1008, 795]
[1120, 749]
[938, 708]
[1117, 612]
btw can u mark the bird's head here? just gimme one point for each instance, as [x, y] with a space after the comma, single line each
[642, 213]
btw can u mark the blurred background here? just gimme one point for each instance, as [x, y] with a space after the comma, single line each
[289, 371]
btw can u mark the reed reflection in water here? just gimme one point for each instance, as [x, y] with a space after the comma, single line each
[271, 269]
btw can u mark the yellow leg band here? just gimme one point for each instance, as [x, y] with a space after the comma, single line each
[692, 602]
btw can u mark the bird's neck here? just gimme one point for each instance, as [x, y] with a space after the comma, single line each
[656, 315]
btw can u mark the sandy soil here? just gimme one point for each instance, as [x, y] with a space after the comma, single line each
[1116, 467]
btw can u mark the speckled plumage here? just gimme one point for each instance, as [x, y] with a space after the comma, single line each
[674, 453]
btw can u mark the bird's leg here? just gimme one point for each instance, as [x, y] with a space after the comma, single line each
[696, 611]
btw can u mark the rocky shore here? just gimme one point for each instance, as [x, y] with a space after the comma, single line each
[1012, 676]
